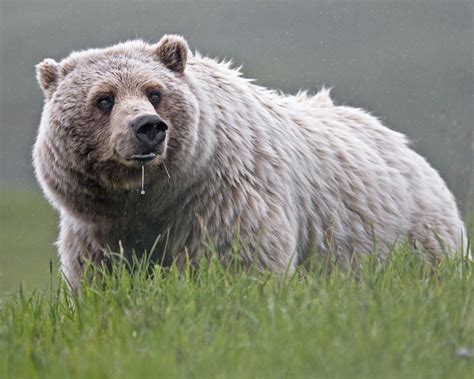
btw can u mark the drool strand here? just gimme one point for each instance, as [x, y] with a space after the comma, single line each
[143, 180]
[166, 169]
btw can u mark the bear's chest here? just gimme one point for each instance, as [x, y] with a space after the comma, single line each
[136, 231]
[152, 226]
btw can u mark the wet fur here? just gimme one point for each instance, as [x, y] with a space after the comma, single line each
[288, 175]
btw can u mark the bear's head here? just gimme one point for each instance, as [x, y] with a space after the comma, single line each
[109, 111]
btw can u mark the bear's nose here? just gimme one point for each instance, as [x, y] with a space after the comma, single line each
[150, 129]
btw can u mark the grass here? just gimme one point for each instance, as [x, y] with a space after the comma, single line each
[404, 319]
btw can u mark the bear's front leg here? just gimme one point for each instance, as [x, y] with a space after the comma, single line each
[75, 248]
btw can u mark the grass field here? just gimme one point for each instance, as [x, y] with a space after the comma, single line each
[28, 228]
[400, 320]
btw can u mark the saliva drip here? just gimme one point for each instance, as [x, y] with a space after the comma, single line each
[143, 180]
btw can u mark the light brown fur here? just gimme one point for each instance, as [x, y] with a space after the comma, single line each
[287, 175]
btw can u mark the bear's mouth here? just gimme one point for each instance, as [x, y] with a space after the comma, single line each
[142, 157]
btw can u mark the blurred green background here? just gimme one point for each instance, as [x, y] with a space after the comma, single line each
[409, 63]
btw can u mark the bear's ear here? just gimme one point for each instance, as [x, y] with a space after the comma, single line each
[47, 75]
[172, 51]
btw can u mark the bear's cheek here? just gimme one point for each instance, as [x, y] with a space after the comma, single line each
[183, 137]
[182, 116]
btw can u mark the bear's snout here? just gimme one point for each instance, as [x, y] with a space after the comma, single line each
[150, 130]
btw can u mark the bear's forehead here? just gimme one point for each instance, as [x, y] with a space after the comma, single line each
[92, 79]
[121, 60]
[131, 65]
[115, 64]
[119, 71]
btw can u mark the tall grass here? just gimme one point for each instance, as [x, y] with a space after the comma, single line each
[405, 318]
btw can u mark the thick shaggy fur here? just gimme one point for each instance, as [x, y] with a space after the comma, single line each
[288, 176]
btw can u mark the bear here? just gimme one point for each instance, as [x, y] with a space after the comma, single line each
[146, 145]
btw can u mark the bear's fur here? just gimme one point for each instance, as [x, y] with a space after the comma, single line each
[287, 176]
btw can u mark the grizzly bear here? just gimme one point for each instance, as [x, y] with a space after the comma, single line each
[142, 144]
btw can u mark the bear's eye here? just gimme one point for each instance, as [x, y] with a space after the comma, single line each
[154, 97]
[105, 102]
